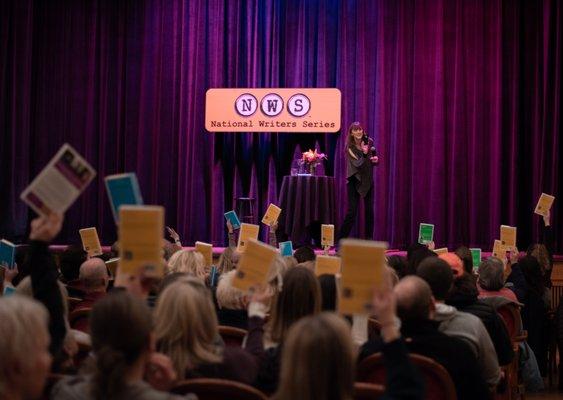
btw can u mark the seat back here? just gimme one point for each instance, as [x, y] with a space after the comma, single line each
[510, 314]
[438, 383]
[232, 336]
[368, 391]
[218, 389]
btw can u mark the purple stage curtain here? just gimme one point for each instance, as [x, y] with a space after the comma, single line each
[463, 99]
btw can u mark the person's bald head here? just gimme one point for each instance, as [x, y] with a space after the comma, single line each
[94, 274]
[414, 299]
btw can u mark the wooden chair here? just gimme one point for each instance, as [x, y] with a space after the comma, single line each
[218, 389]
[368, 391]
[233, 337]
[79, 319]
[438, 383]
[510, 315]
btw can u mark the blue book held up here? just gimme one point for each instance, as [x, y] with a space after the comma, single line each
[123, 189]
[286, 248]
[232, 217]
[7, 254]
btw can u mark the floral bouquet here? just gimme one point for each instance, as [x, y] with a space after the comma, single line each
[312, 158]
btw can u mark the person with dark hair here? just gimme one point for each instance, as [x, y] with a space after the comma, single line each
[304, 254]
[534, 311]
[464, 297]
[360, 160]
[329, 292]
[301, 296]
[399, 264]
[415, 255]
[438, 274]
[70, 261]
[464, 254]
[121, 331]
[415, 308]
[543, 250]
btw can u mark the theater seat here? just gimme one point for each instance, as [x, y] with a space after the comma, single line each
[218, 389]
[367, 391]
[438, 383]
[232, 336]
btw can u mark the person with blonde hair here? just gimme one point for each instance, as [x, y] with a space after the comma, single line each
[24, 348]
[188, 261]
[186, 330]
[231, 302]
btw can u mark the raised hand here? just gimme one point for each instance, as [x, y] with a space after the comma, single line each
[160, 372]
[45, 229]
[230, 227]
[173, 234]
[547, 218]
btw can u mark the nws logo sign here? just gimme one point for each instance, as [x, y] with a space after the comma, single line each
[272, 105]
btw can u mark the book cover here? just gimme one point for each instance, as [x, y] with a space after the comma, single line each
[286, 248]
[327, 235]
[232, 217]
[476, 256]
[363, 263]
[206, 250]
[544, 204]
[7, 254]
[90, 241]
[508, 236]
[425, 233]
[272, 214]
[123, 189]
[60, 183]
[327, 265]
[247, 232]
[254, 265]
[140, 240]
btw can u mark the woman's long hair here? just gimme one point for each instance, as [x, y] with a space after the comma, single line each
[186, 325]
[300, 296]
[532, 272]
[120, 327]
[318, 360]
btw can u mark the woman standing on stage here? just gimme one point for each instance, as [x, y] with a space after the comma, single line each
[360, 157]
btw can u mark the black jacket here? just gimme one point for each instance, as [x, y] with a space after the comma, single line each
[423, 337]
[492, 321]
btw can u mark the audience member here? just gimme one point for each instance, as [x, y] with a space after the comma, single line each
[231, 303]
[24, 348]
[188, 261]
[491, 280]
[186, 330]
[439, 276]
[121, 328]
[399, 264]
[465, 256]
[415, 308]
[329, 292]
[304, 254]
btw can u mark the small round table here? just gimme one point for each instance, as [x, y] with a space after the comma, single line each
[305, 200]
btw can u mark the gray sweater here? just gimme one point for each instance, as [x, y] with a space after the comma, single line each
[78, 388]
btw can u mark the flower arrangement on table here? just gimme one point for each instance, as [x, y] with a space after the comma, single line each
[311, 159]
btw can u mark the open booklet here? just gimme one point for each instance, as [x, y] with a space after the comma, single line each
[60, 183]
[363, 272]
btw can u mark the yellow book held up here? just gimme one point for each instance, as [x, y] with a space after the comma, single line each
[247, 231]
[90, 241]
[272, 214]
[544, 204]
[140, 239]
[327, 265]
[206, 250]
[363, 265]
[254, 265]
[327, 235]
[508, 236]
[442, 250]
[499, 251]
